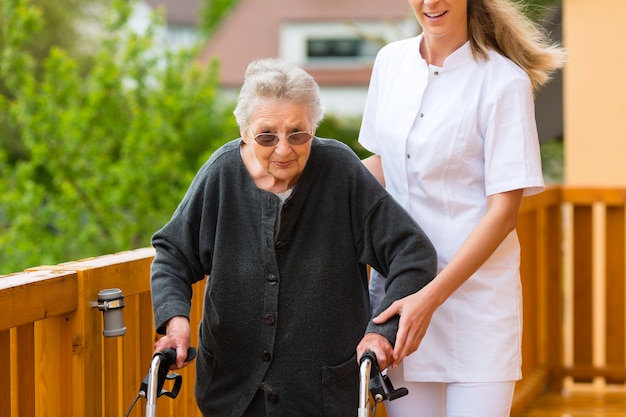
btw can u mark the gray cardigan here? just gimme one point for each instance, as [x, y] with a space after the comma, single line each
[286, 299]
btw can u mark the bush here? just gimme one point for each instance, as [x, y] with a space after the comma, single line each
[109, 155]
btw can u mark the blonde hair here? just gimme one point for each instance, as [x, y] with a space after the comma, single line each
[503, 26]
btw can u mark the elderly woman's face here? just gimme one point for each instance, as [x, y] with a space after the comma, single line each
[284, 160]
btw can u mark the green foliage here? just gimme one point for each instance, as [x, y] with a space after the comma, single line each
[110, 153]
[344, 129]
[538, 10]
[212, 13]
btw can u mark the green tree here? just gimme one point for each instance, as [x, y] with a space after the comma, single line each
[110, 152]
[64, 25]
[60, 24]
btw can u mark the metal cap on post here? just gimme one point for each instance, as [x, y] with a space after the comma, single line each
[111, 303]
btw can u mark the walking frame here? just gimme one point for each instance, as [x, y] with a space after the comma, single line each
[372, 381]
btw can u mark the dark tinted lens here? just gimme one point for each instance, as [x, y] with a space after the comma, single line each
[298, 138]
[266, 139]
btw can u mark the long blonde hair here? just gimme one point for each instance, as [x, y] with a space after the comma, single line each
[503, 26]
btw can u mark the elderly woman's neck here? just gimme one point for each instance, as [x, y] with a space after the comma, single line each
[260, 175]
[272, 184]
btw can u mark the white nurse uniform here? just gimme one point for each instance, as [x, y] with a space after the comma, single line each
[449, 137]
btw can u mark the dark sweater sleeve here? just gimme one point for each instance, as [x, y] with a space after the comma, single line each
[404, 254]
[387, 237]
[173, 270]
[397, 247]
[180, 258]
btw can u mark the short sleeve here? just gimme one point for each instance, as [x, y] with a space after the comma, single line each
[512, 155]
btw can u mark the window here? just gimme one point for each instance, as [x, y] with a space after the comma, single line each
[344, 44]
[342, 48]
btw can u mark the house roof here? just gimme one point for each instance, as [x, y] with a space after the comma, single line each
[252, 31]
[179, 12]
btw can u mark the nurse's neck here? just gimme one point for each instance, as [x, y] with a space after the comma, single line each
[435, 49]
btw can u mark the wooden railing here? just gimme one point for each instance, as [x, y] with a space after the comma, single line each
[56, 361]
[51, 342]
[594, 287]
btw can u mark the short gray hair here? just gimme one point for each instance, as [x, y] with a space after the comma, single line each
[275, 78]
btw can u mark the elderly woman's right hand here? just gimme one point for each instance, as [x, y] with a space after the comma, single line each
[177, 336]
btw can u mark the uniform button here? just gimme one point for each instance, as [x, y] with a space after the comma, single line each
[436, 73]
[266, 356]
[272, 398]
[408, 156]
[421, 114]
[271, 278]
[269, 319]
[281, 245]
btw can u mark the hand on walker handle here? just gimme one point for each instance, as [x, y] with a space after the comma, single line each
[177, 337]
[377, 344]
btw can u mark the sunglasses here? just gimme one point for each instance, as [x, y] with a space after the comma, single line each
[295, 138]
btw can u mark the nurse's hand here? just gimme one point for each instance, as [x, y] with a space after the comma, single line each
[377, 344]
[415, 311]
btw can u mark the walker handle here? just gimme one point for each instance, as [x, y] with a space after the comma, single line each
[168, 356]
[152, 384]
[380, 385]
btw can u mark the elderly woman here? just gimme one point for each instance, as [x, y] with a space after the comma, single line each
[283, 225]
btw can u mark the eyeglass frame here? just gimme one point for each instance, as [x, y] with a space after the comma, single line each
[277, 138]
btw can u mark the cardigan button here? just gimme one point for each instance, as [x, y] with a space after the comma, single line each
[281, 244]
[266, 356]
[272, 278]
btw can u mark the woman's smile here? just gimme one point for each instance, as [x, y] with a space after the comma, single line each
[435, 15]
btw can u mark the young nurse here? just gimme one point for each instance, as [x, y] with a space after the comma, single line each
[450, 119]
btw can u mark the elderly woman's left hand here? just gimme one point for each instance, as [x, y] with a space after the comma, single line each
[377, 344]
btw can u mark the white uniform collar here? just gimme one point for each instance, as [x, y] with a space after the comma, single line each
[455, 58]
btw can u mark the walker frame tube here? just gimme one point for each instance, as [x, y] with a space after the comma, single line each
[364, 381]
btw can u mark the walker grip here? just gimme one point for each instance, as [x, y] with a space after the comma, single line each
[380, 385]
[167, 358]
